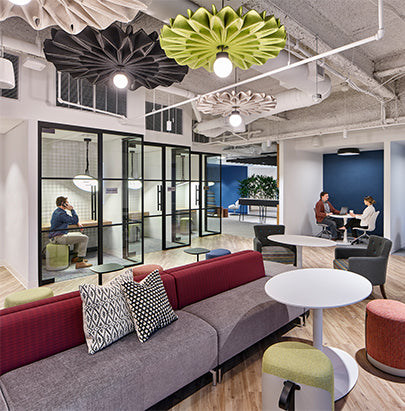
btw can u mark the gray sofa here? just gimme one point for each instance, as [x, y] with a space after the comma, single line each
[222, 310]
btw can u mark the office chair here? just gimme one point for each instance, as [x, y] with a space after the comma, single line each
[234, 207]
[370, 262]
[325, 229]
[370, 228]
[271, 250]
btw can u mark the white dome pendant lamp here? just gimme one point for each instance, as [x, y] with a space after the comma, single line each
[85, 181]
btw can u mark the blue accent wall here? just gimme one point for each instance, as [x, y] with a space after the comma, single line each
[348, 179]
[231, 175]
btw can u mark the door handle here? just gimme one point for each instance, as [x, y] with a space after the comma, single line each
[197, 195]
[159, 198]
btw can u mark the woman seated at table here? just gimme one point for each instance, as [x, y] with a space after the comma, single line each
[361, 220]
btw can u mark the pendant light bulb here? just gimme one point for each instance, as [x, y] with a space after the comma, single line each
[223, 66]
[20, 2]
[235, 119]
[85, 181]
[120, 80]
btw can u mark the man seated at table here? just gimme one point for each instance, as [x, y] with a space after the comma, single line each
[323, 211]
[59, 234]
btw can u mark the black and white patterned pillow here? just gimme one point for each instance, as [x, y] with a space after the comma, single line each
[149, 304]
[106, 314]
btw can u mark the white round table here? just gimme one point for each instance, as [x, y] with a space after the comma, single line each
[319, 288]
[345, 217]
[301, 241]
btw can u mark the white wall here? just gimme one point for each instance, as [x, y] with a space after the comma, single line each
[300, 183]
[19, 232]
[263, 171]
[397, 214]
[37, 101]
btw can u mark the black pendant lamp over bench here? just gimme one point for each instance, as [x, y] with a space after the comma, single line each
[99, 55]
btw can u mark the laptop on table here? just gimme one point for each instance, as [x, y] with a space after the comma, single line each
[343, 210]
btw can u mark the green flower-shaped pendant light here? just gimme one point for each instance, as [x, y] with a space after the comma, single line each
[250, 38]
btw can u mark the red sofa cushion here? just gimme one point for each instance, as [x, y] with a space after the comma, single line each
[197, 281]
[37, 330]
[169, 284]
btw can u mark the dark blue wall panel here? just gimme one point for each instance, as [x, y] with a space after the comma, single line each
[349, 179]
[231, 175]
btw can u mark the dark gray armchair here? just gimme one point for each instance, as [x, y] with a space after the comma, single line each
[271, 250]
[370, 262]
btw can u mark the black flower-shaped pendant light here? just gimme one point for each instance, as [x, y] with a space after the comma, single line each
[97, 55]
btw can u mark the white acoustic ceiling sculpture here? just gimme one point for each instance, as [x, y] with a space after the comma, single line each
[246, 102]
[73, 15]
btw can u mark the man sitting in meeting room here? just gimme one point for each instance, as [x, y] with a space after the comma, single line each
[323, 211]
[58, 233]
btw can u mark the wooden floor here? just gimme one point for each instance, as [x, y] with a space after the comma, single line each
[342, 328]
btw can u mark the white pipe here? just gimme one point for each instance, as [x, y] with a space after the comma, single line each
[287, 100]
[400, 121]
[377, 36]
[177, 91]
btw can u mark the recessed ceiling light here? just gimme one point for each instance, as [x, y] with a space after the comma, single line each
[350, 151]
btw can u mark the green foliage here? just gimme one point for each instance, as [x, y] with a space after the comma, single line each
[258, 186]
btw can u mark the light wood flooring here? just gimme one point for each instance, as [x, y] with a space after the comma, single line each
[241, 387]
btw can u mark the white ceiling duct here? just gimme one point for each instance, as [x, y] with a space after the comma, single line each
[303, 85]
[163, 10]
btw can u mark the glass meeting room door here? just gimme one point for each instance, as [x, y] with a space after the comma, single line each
[177, 197]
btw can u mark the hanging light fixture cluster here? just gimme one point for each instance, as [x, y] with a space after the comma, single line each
[134, 59]
[73, 15]
[219, 40]
[234, 104]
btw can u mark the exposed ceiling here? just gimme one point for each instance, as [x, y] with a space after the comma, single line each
[367, 82]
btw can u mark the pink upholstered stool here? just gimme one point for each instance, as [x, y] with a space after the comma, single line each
[385, 335]
[146, 269]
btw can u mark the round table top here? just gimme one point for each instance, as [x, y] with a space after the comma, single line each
[318, 288]
[341, 216]
[196, 250]
[301, 240]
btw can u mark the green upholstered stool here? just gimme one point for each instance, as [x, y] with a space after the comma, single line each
[27, 296]
[57, 257]
[301, 372]
[278, 254]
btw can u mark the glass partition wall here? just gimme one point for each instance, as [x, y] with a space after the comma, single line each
[167, 196]
[205, 194]
[131, 197]
[211, 186]
[96, 171]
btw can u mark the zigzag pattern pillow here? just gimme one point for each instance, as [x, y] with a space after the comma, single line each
[106, 315]
[149, 305]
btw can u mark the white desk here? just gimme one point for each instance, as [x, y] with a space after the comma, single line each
[345, 217]
[301, 241]
[319, 288]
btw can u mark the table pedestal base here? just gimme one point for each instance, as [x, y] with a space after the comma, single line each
[345, 369]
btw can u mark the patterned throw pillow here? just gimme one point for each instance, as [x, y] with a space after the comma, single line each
[106, 315]
[149, 304]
